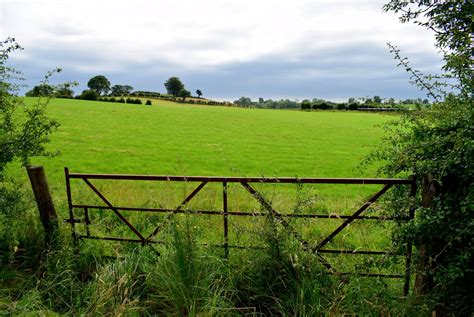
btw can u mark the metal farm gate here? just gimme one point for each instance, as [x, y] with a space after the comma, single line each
[318, 249]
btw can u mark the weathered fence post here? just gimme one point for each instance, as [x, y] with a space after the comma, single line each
[44, 201]
[423, 281]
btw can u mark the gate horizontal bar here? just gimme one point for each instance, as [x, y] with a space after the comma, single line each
[81, 236]
[218, 179]
[364, 252]
[369, 274]
[351, 252]
[234, 246]
[240, 213]
[112, 239]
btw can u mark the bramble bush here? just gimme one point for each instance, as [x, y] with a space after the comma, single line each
[437, 146]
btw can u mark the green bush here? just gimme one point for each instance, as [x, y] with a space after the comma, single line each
[64, 92]
[24, 131]
[184, 93]
[353, 106]
[43, 90]
[305, 105]
[89, 95]
[18, 235]
[436, 145]
[322, 106]
[148, 102]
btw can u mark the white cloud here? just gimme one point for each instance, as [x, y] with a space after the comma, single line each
[200, 34]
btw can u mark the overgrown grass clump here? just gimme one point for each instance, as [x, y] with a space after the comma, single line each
[184, 278]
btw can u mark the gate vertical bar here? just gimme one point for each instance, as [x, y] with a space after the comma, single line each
[226, 220]
[87, 221]
[406, 286]
[69, 203]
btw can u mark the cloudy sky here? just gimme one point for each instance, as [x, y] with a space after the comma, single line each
[300, 49]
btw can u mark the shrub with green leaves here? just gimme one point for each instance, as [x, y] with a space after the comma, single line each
[353, 106]
[305, 105]
[436, 144]
[24, 131]
[90, 95]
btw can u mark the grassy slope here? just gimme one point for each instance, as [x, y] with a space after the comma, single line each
[170, 138]
[203, 140]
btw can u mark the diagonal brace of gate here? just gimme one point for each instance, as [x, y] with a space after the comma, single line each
[98, 193]
[185, 201]
[351, 218]
[284, 223]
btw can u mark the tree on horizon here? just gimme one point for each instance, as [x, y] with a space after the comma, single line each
[173, 86]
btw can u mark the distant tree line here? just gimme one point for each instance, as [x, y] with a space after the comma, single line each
[375, 103]
[246, 102]
[99, 88]
[47, 90]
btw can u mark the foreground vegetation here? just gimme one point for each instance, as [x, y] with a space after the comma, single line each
[189, 280]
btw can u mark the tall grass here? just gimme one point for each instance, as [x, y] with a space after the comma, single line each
[182, 277]
[186, 279]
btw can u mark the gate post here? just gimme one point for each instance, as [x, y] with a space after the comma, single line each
[44, 201]
[409, 254]
[423, 281]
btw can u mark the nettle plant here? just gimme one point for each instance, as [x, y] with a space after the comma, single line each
[436, 144]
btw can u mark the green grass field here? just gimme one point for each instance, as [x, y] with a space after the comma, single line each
[176, 139]
[170, 138]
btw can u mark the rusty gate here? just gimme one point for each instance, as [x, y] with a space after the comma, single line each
[317, 249]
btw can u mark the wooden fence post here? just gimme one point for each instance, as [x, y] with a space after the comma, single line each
[44, 201]
[423, 281]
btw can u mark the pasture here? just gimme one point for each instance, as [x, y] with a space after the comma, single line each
[169, 138]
